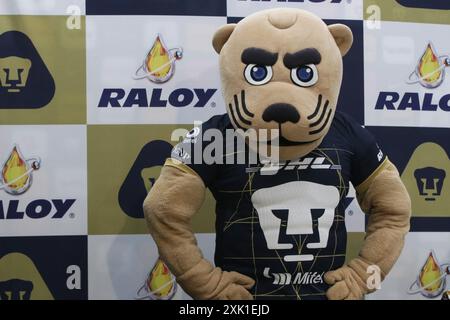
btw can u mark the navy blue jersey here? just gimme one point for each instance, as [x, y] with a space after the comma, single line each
[284, 229]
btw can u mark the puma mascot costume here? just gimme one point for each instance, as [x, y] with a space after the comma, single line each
[280, 229]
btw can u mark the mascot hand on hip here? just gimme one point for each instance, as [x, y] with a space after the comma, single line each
[280, 229]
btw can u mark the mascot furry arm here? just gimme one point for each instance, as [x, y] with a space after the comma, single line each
[175, 198]
[385, 199]
[179, 191]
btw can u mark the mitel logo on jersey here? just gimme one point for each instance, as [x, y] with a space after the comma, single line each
[16, 179]
[429, 73]
[25, 81]
[142, 176]
[158, 67]
[285, 278]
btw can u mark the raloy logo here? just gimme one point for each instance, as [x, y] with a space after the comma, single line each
[426, 179]
[158, 67]
[429, 4]
[328, 9]
[25, 81]
[142, 176]
[429, 73]
[16, 179]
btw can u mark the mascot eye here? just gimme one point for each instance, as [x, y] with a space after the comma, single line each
[305, 76]
[258, 74]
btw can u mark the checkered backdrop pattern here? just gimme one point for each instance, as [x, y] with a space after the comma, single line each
[84, 131]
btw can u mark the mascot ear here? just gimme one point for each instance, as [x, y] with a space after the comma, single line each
[343, 37]
[221, 36]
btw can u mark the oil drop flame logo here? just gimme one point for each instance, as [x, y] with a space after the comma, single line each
[17, 172]
[159, 64]
[159, 285]
[429, 71]
[431, 279]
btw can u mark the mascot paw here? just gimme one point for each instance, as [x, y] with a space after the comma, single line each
[235, 287]
[346, 284]
[204, 282]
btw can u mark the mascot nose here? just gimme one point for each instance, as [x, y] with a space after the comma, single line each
[281, 113]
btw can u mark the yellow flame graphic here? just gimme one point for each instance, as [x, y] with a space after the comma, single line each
[429, 66]
[13, 168]
[158, 60]
[160, 280]
[446, 295]
[430, 275]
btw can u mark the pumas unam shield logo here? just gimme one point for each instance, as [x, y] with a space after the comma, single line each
[17, 172]
[429, 182]
[159, 285]
[294, 208]
[142, 176]
[16, 179]
[426, 179]
[25, 81]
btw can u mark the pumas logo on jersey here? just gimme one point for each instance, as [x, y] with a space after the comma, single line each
[429, 4]
[285, 278]
[158, 67]
[25, 81]
[294, 208]
[429, 73]
[16, 179]
[142, 176]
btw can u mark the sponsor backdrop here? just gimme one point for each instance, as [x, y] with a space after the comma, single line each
[91, 92]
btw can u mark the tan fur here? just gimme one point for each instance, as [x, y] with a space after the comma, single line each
[169, 207]
[388, 205]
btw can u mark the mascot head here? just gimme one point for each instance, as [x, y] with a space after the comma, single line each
[282, 69]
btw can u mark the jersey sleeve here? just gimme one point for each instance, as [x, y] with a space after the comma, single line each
[189, 155]
[367, 157]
